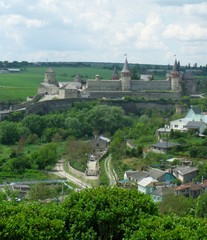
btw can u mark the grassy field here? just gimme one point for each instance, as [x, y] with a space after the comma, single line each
[18, 86]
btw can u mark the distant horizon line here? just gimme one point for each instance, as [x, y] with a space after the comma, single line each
[98, 62]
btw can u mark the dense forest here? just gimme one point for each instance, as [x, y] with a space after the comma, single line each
[36, 142]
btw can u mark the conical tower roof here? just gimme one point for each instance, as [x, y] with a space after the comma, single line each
[176, 67]
[126, 66]
[115, 74]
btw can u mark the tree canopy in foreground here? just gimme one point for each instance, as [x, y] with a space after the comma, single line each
[93, 214]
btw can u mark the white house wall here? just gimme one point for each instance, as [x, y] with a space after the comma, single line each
[179, 124]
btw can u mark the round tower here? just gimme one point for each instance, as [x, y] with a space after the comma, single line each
[126, 77]
[50, 77]
[175, 78]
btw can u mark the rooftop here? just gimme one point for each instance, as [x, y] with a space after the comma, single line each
[165, 145]
[185, 169]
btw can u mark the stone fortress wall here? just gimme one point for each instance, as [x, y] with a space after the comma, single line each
[103, 85]
[159, 85]
[146, 95]
[118, 87]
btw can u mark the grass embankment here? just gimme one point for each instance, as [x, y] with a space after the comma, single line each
[104, 180]
[28, 174]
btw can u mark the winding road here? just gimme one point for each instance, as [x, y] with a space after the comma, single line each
[59, 170]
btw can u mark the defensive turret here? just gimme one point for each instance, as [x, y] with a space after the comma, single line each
[175, 77]
[126, 77]
[50, 77]
[115, 74]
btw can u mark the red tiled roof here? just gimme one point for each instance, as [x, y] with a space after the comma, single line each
[190, 185]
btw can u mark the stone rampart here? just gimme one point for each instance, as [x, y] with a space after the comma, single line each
[102, 85]
[54, 105]
[144, 94]
[154, 85]
[129, 106]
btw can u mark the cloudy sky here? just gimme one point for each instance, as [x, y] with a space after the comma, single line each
[148, 31]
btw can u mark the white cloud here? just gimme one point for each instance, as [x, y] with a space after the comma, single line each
[103, 30]
[190, 33]
[11, 20]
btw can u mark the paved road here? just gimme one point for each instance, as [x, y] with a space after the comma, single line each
[61, 172]
[110, 172]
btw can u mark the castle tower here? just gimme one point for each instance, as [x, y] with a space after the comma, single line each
[126, 77]
[50, 77]
[175, 77]
[115, 74]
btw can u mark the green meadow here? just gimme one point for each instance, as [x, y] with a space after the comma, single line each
[18, 86]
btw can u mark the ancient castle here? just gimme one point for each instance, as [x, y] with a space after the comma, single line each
[175, 85]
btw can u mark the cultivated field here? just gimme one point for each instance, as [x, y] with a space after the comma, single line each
[18, 86]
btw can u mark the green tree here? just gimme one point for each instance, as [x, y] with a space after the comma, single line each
[3, 196]
[106, 118]
[8, 132]
[35, 123]
[73, 126]
[32, 221]
[54, 120]
[77, 153]
[106, 213]
[169, 227]
[178, 205]
[49, 133]
[201, 206]
[20, 164]
[46, 157]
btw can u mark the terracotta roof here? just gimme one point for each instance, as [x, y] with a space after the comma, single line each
[192, 186]
[204, 184]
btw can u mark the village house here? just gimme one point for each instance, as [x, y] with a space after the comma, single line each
[193, 120]
[189, 190]
[197, 126]
[162, 147]
[157, 174]
[185, 173]
[161, 192]
[147, 185]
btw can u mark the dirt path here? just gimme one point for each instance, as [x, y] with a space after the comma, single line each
[109, 171]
